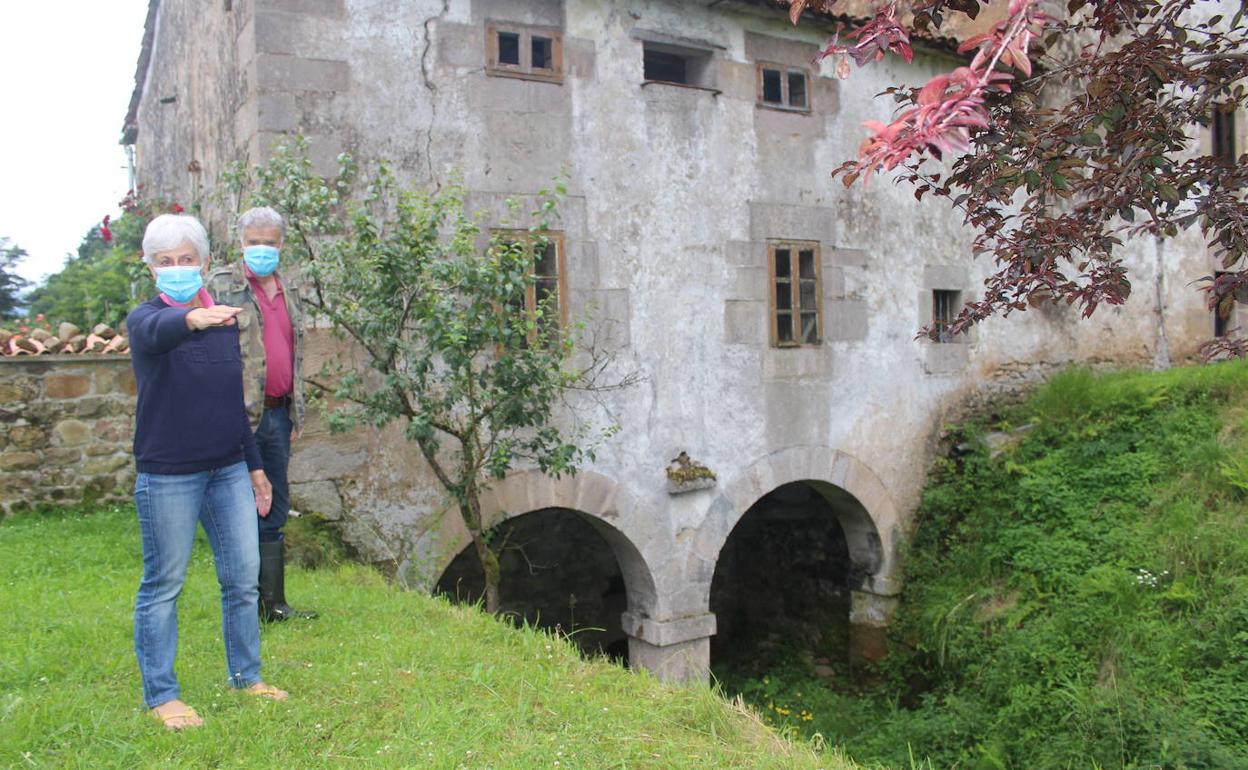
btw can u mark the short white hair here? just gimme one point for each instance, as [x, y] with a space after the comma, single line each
[261, 216]
[169, 231]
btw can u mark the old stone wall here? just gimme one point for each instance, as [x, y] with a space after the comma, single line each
[66, 426]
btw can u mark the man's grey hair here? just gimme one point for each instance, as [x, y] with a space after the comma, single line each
[170, 231]
[261, 216]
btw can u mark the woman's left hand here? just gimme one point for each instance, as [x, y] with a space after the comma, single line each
[264, 492]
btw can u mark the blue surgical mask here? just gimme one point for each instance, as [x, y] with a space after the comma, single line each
[180, 283]
[262, 260]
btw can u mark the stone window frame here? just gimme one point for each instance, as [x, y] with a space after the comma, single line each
[524, 70]
[555, 238]
[702, 78]
[795, 309]
[786, 71]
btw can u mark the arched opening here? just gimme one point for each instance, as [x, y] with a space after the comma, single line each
[557, 571]
[783, 579]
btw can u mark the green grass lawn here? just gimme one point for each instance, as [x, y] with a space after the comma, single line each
[384, 678]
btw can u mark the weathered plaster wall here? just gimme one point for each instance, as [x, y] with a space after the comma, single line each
[673, 195]
[65, 430]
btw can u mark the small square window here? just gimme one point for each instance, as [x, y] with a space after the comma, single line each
[796, 309]
[783, 88]
[523, 52]
[945, 307]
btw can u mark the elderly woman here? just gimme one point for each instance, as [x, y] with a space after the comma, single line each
[197, 462]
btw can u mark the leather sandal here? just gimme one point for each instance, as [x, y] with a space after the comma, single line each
[266, 690]
[165, 719]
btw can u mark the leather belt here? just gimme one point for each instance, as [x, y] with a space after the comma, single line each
[276, 402]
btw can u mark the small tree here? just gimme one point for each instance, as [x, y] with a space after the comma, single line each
[451, 348]
[1071, 127]
[10, 282]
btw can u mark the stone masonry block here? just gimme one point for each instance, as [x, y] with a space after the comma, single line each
[19, 461]
[331, 8]
[666, 633]
[745, 254]
[833, 281]
[945, 358]
[277, 112]
[945, 277]
[73, 432]
[745, 322]
[293, 73]
[846, 320]
[750, 283]
[795, 53]
[460, 45]
[578, 57]
[798, 223]
[546, 13]
[66, 385]
[846, 257]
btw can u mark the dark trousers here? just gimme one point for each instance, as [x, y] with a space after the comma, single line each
[273, 438]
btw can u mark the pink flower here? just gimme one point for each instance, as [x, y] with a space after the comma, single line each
[106, 234]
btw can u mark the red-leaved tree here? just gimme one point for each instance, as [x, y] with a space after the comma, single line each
[1069, 130]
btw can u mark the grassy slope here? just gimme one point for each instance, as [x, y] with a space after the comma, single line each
[383, 679]
[1080, 601]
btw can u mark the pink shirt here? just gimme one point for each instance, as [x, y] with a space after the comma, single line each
[279, 339]
[205, 300]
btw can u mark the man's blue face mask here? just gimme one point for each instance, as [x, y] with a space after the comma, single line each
[179, 283]
[261, 260]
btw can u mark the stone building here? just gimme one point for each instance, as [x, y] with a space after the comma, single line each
[772, 311]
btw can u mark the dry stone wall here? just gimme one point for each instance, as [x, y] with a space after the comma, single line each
[66, 425]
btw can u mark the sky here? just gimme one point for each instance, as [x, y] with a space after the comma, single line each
[68, 74]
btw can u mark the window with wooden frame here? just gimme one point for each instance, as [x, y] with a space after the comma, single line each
[517, 51]
[796, 291]
[549, 291]
[945, 306]
[783, 88]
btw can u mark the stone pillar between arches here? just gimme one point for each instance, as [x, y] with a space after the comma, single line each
[869, 617]
[677, 650]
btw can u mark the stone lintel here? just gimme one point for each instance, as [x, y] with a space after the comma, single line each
[665, 633]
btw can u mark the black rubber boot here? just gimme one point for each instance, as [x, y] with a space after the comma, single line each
[273, 606]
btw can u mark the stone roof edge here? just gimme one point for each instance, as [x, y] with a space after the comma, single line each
[130, 129]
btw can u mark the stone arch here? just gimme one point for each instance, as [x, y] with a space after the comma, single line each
[866, 511]
[601, 501]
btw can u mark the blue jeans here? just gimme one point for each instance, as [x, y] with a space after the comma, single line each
[169, 507]
[273, 440]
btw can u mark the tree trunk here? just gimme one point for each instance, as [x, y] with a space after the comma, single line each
[487, 557]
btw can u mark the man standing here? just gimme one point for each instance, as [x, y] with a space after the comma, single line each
[271, 338]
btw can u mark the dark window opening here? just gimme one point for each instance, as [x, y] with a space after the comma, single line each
[945, 305]
[773, 91]
[1222, 127]
[797, 89]
[543, 53]
[665, 67]
[509, 49]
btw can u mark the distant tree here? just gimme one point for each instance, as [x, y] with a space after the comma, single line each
[1070, 128]
[104, 280]
[443, 339]
[11, 283]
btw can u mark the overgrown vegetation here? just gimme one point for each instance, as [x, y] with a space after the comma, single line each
[382, 679]
[1078, 601]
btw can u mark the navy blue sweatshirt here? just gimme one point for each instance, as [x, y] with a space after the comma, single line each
[190, 415]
